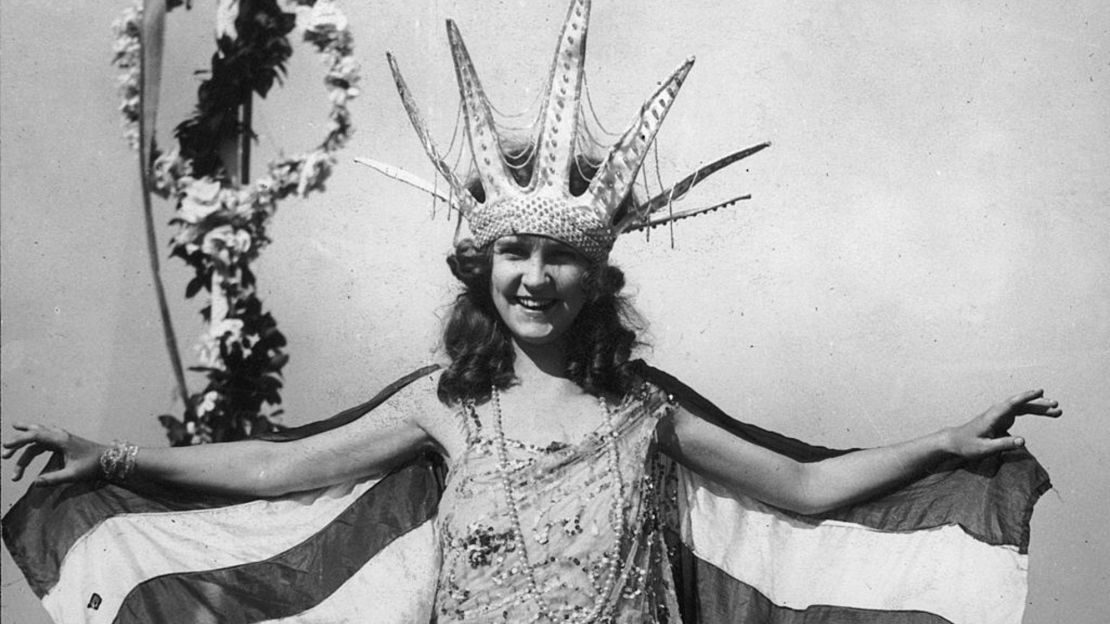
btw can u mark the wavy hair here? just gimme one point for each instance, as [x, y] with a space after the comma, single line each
[598, 342]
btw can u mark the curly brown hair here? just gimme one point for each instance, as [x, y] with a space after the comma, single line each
[599, 341]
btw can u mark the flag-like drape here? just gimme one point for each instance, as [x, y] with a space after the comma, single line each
[950, 547]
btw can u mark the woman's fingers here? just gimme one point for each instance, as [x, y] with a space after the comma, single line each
[35, 433]
[1043, 407]
[1038, 405]
[1028, 402]
[33, 440]
[57, 476]
[1005, 443]
[29, 455]
[1025, 397]
[27, 435]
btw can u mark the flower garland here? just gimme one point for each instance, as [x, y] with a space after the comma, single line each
[128, 57]
[222, 226]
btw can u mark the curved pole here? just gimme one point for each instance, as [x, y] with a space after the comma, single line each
[150, 77]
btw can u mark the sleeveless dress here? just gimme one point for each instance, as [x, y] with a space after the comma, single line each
[564, 496]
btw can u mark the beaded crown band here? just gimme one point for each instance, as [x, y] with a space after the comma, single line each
[543, 204]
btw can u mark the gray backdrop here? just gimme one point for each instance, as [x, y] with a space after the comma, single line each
[928, 234]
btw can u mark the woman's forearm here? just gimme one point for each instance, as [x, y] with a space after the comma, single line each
[237, 468]
[368, 446]
[867, 473]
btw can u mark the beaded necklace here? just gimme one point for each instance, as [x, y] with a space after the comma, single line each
[616, 514]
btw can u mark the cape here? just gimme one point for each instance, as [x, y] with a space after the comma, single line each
[950, 547]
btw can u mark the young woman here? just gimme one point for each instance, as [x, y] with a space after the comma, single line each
[551, 436]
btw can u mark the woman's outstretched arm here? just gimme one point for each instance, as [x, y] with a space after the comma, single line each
[820, 486]
[370, 445]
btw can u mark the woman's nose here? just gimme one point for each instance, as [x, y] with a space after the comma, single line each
[535, 273]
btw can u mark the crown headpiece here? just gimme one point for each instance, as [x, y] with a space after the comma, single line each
[543, 204]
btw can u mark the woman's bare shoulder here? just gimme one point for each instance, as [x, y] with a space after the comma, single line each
[419, 402]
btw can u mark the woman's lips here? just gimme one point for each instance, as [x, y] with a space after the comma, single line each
[536, 304]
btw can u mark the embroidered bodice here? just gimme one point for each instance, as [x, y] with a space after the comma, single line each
[564, 498]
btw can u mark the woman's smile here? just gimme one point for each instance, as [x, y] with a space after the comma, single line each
[536, 304]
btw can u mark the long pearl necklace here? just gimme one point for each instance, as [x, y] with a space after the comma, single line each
[616, 515]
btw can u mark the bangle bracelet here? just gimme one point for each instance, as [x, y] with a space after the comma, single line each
[117, 462]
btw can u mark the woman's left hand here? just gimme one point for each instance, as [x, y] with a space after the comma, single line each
[988, 433]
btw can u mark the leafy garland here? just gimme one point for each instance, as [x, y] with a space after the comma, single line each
[221, 226]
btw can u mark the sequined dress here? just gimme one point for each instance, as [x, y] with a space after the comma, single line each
[564, 496]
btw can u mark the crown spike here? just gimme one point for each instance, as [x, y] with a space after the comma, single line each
[651, 223]
[558, 127]
[485, 144]
[404, 176]
[615, 177]
[464, 200]
[679, 190]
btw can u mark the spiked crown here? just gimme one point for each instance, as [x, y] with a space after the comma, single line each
[543, 204]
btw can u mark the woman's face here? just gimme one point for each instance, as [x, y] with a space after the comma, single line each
[536, 284]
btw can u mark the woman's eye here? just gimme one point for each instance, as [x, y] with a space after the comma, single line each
[562, 257]
[512, 251]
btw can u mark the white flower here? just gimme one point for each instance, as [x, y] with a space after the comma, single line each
[208, 354]
[201, 199]
[326, 15]
[204, 190]
[338, 97]
[215, 243]
[229, 329]
[347, 68]
[171, 172]
[225, 241]
[242, 202]
[314, 163]
[242, 241]
[186, 237]
[227, 11]
[207, 404]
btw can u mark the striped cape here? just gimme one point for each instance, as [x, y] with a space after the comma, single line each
[950, 547]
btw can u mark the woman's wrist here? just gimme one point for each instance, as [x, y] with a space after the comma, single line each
[945, 442]
[117, 462]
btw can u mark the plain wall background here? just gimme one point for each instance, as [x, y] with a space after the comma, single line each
[928, 234]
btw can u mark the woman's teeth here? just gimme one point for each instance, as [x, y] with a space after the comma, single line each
[533, 303]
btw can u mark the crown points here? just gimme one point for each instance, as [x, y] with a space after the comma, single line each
[641, 132]
[588, 222]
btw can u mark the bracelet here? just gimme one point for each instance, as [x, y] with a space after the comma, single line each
[117, 462]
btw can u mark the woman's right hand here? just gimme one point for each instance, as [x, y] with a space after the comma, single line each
[75, 458]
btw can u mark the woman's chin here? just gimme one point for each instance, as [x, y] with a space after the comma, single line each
[536, 339]
[537, 335]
